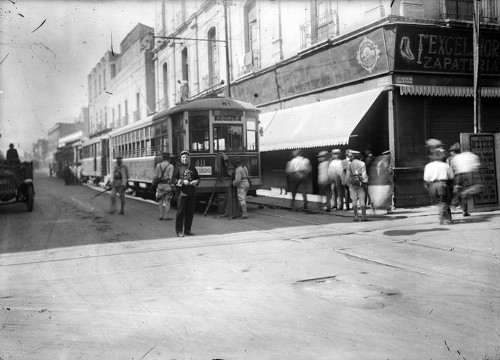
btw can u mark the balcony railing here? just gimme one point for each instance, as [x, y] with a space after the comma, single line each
[464, 10]
[317, 30]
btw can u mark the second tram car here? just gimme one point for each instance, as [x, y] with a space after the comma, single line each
[212, 129]
[95, 159]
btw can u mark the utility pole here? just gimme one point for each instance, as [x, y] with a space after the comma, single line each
[226, 3]
[477, 85]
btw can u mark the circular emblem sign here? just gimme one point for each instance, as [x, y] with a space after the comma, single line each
[368, 54]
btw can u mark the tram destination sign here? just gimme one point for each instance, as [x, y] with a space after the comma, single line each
[227, 116]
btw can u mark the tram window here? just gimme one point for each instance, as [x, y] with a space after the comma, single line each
[198, 132]
[251, 134]
[228, 137]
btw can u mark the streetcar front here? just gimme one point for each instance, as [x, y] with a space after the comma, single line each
[215, 131]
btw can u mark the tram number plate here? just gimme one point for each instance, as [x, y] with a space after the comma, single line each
[204, 170]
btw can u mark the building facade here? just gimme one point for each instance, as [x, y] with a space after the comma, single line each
[385, 74]
[121, 85]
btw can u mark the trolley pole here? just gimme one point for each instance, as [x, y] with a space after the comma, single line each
[226, 3]
[477, 85]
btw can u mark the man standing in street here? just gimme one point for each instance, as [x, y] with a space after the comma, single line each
[186, 179]
[298, 169]
[324, 184]
[164, 192]
[242, 184]
[357, 179]
[118, 185]
[336, 170]
[438, 176]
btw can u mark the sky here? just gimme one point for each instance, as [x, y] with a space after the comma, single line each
[47, 49]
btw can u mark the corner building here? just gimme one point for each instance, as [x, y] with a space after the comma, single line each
[338, 74]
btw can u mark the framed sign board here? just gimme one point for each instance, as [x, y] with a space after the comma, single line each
[487, 148]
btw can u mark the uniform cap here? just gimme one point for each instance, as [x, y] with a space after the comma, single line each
[185, 152]
[322, 153]
[336, 151]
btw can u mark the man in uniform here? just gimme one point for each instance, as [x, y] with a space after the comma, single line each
[358, 180]
[164, 192]
[186, 179]
[118, 185]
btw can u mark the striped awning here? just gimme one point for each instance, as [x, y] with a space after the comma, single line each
[323, 123]
[457, 91]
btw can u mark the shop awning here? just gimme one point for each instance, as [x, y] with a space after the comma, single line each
[323, 123]
[458, 91]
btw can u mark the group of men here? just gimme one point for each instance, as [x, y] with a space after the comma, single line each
[449, 177]
[341, 180]
[183, 177]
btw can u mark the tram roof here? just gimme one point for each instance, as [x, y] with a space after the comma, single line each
[209, 103]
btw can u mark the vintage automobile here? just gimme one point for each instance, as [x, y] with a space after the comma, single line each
[16, 183]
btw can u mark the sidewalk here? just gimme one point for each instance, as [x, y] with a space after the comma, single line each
[275, 199]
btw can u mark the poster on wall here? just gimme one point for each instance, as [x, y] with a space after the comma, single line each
[484, 146]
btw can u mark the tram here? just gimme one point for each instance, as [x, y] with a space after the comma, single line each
[214, 130]
[95, 158]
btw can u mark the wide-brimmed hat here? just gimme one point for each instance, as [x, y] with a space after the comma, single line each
[387, 152]
[185, 152]
[336, 151]
[433, 143]
[455, 147]
[322, 153]
[355, 153]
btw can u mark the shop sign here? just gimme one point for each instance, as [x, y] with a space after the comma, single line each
[353, 60]
[439, 50]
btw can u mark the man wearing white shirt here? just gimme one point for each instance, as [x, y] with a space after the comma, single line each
[298, 169]
[437, 176]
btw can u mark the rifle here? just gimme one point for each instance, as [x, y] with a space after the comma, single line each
[210, 200]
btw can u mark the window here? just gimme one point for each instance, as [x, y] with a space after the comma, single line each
[252, 134]
[251, 28]
[119, 115]
[185, 65]
[138, 105]
[228, 137]
[464, 10]
[199, 137]
[126, 113]
[165, 86]
[212, 58]
[113, 70]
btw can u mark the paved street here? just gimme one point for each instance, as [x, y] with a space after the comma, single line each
[79, 283]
